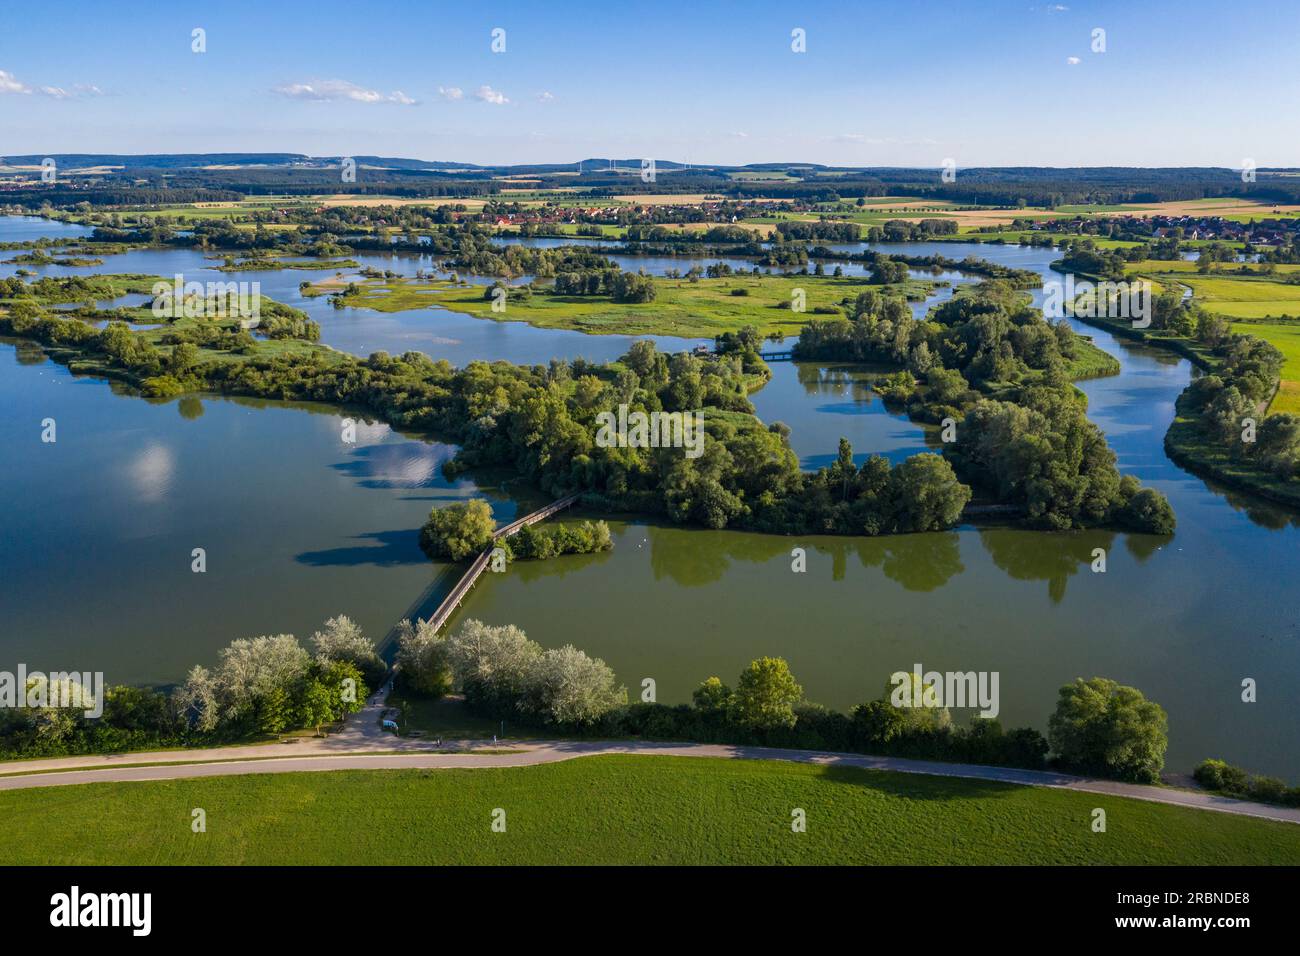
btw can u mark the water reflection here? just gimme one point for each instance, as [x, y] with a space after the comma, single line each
[151, 472]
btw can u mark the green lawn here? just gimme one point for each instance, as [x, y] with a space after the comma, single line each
[617, 810]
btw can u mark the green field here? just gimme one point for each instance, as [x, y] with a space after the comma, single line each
[617, 810]
[1287, 338]
[692, 309]
[1245, 299]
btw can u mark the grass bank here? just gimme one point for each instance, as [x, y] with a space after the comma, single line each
[618, 810]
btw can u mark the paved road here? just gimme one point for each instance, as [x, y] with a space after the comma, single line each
[358, 748]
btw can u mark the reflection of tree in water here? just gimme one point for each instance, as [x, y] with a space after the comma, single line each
[1264, 513]
[1046, 556]
[919, 562]
[819, 380]
[27, 353]
[694, 557]
[190, 407]
[1142, 546]
[560, 566]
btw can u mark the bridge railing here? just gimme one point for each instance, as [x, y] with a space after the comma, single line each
[480, 563]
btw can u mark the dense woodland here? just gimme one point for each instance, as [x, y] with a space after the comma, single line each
[992, 366]
[184, 178]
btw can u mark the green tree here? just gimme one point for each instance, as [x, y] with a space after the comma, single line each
[1104, 728]
[712, 696]
[458, 531]
[422, 659]
[766, 695]
[317, 704]
[274, 711]
[1149, 511]
[927, 494]
[567, 687]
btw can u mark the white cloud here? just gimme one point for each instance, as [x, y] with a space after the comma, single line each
[1072, 60]
[489, 95]
[451, 92]
[545, 96]
[11, 84]
[325, 90]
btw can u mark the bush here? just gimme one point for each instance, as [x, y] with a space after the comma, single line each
[1267, 789]
[1218, 775]
[1149, 511]
[568, 688]
[1223, 777]
[458, 531]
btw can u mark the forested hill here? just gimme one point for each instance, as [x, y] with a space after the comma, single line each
[297, 173]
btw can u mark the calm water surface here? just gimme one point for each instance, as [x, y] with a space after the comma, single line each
[298, 525]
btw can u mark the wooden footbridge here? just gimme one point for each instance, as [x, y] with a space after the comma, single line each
[480, 563]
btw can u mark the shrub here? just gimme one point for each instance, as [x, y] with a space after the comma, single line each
[1266, 789]
[458, 531]
[1218, 775]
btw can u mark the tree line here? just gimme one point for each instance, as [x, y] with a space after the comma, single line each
[1099, 727]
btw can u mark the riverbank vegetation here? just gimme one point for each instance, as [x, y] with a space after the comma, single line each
[503, 673]
[1232, 781]
[1228, 423]
[1099, 727]
[261, 687]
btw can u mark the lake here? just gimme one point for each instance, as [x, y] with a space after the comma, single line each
[297, 526]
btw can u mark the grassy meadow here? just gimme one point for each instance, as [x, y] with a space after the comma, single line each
[618, 810]
[690, 309]
[1249, 299]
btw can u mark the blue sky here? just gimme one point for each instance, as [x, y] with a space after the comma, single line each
[909, 82]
